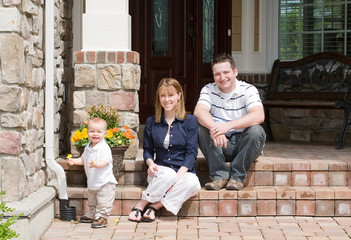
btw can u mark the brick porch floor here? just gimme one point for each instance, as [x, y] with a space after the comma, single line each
[214, 228]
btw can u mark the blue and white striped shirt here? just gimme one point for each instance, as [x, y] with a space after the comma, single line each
[227, 107]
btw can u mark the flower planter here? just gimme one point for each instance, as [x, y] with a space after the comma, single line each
[117, 157]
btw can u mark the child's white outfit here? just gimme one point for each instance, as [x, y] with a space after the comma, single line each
[101, 181]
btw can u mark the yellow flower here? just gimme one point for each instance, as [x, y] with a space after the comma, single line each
[69, 156]
[77, 136]
[115, 135]
[85, 133]
[109, 133]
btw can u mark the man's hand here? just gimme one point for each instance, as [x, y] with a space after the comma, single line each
[220, 141]
[218, 131]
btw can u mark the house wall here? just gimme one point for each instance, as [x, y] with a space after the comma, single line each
[22, 90]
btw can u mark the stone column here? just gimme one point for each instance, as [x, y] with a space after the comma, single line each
[106, 26]
[107, 78]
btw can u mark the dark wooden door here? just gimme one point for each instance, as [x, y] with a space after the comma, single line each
[169, 35]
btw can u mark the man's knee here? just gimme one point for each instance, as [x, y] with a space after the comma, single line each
[256, 132]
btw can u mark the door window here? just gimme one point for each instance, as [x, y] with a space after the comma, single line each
[160, 28]
[208, 31]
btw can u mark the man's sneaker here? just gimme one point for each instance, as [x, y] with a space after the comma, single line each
[100, 223]
[216, 184]
[234, 185]
[85, 219]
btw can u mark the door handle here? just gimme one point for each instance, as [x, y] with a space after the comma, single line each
[191, 34]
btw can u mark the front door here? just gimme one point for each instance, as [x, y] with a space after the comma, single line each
[178, 39]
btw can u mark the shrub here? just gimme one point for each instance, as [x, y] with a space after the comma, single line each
[5, 231]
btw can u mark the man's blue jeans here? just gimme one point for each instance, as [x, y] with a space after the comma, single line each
[242, 149]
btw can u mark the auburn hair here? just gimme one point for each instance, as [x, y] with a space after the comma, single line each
[172, 86]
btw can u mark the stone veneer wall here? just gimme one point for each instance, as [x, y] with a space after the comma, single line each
[111, 79]
[22, 86]
[306, 125]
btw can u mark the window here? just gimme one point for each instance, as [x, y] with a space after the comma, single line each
[208, 30]
[160, 28]
[312, 26]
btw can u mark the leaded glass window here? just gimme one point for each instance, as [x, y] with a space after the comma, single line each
[208, 31]
[160, 27]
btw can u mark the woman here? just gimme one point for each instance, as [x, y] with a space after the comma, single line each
[172, 135]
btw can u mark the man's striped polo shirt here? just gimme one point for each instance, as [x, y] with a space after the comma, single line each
[227, 107]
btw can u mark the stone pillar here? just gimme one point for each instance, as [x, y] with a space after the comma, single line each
[106, 71]
[111, 79]
[106, 26]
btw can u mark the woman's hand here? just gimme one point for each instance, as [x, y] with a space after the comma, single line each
[182, 170]
[153, 168]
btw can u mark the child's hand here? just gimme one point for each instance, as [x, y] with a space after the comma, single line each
[92, 164]
[70, 161]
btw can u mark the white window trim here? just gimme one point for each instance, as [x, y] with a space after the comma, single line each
[247, 60]
[272, 11]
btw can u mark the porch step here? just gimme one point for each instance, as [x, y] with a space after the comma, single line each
[288, 179]
[281, 164]
[251, 201]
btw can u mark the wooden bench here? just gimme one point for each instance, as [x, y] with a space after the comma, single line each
[320, 81]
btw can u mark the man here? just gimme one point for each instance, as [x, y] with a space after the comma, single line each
[229, 112]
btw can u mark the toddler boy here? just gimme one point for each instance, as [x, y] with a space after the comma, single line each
[97, 161]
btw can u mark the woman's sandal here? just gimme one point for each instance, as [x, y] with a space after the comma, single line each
[138, 213]
[147, 213]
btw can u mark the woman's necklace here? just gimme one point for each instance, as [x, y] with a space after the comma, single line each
[170, 120]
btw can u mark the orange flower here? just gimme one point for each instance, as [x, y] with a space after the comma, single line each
[129, 134]
[115, 130]
[126, 127]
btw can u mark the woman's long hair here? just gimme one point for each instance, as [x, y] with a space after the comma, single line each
[172, 86]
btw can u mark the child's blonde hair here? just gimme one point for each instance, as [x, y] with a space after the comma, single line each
[98, 121]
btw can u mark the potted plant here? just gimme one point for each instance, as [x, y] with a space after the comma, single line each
[117, 138]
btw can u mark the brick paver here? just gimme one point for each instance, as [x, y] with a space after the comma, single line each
[221, 228]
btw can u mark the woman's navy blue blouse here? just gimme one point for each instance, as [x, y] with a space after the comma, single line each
[183, 148]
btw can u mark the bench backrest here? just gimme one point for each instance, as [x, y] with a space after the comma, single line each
[321, 76]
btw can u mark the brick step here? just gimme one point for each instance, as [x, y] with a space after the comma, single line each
[251, 201]
[267, 171]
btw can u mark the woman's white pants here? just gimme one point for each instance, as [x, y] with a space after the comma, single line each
[158, 187]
